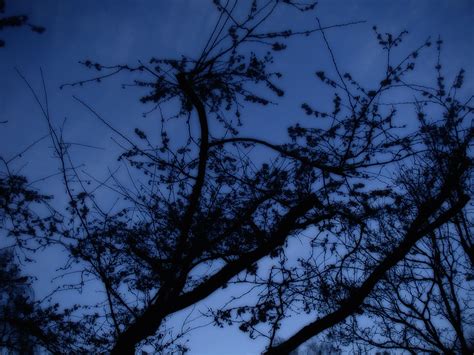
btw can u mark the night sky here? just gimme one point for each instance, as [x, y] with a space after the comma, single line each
[125, 31]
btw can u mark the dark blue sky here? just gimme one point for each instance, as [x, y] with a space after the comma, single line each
[123, 31]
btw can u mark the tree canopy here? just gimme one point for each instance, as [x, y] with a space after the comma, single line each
[356, 224]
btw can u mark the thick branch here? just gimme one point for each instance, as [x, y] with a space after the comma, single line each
[418, 229]
[286, 226]
[203, 154]
[149, 322]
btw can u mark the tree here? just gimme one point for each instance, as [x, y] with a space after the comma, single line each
[15, 297]
[27, 324]
[425, 304]
[203, 212]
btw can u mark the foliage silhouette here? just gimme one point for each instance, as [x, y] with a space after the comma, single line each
[206, 214]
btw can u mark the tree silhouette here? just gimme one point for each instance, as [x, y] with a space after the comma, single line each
[15, 299]
[27, 324]
[204, 212]
[425, 303]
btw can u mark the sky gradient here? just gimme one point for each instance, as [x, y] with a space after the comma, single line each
[124, 31]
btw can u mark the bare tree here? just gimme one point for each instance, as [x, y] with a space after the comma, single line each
[199, 214]
[425, 304]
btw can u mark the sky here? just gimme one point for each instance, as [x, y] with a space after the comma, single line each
[125, 31]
